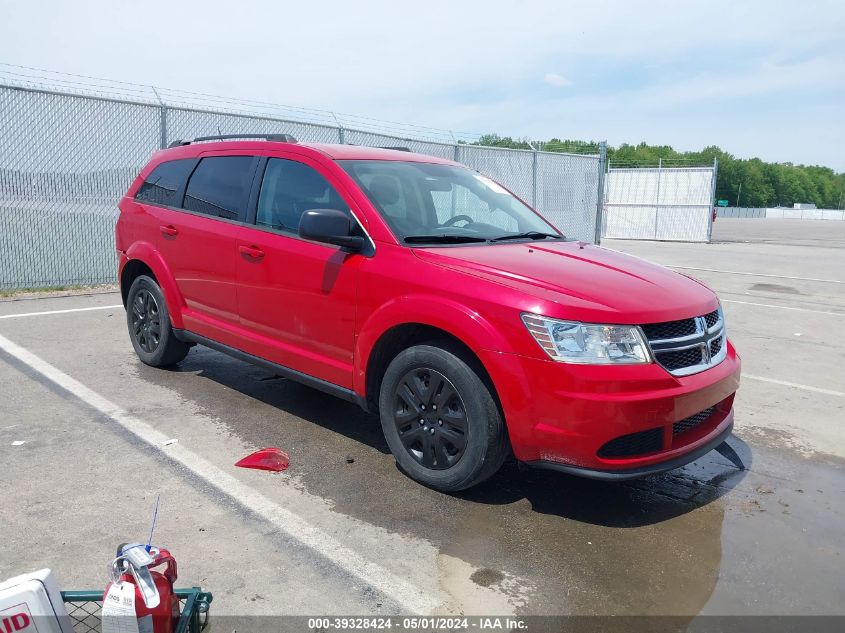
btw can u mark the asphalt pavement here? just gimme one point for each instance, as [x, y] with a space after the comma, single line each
[86, 436]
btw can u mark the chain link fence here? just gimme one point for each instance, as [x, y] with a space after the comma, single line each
[740, 212]
[659, 203]
[66, 159]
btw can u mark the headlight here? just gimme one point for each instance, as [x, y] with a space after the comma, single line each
[588, 343]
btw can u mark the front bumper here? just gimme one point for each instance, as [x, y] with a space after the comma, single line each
[683, 459]
[565, 416]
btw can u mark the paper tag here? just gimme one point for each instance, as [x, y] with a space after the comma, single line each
[118, 614]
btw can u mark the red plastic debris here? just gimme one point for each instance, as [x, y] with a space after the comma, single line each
[266, 459]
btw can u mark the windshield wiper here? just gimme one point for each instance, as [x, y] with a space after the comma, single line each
[529, 235]
[442, 239]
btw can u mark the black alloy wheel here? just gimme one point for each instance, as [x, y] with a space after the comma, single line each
[440, 416]
[146, 321]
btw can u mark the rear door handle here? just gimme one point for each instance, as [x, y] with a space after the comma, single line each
[169, 230]
[253, 252]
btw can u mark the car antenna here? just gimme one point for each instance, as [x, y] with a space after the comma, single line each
[153, 526]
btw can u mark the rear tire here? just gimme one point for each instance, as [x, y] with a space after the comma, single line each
[149, 325]
[440, 419]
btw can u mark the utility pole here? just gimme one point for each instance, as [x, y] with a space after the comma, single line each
[739, 195]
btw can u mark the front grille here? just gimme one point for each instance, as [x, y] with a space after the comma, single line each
[715, 346]
[669, 329]
[688, 346]
[633, 444]
[681, 358]
[688, 424]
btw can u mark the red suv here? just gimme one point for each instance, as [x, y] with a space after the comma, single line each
[431, 295]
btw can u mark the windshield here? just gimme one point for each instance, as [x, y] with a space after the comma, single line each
[431, 203]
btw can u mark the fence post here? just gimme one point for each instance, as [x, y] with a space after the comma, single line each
[534, 179]
[341, 137]
[163, 125]
[657, 195]
[162, 119]
[712, 200]
[457, 153]
[600, 193]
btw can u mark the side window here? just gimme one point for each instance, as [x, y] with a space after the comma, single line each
[219, 186]
[164, 182]
[288, 190]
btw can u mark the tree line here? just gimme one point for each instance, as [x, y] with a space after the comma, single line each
[747, 182]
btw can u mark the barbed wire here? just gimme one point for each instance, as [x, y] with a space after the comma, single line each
[87, 85]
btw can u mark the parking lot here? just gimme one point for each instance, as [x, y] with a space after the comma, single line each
[343, 522]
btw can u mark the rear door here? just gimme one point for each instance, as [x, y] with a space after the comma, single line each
[162, 189]
[199, 242]
[297, 297]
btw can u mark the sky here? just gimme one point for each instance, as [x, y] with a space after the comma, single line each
[762, 79]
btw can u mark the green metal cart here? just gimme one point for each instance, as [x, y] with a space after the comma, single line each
[84, 609]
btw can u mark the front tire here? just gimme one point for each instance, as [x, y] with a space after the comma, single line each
[149, 325]
[440, 419]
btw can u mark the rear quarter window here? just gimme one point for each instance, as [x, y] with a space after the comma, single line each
[164, 183]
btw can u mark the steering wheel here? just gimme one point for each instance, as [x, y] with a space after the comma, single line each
[457, 218]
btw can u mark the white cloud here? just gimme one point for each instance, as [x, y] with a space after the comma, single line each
[553, 79]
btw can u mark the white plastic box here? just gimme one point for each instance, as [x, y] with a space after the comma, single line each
[32, 603]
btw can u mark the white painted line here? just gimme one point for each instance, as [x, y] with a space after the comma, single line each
[30, 314]
[795, 385]
[740, 272]
[407, 595]
[771, 305]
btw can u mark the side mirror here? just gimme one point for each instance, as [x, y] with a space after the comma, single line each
[331, 227]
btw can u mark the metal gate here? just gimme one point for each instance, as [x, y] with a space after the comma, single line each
[659, 203]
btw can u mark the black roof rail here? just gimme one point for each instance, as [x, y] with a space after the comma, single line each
[396, 148]
[282, 138]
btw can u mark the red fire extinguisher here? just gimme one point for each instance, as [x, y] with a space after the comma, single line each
[135, 584]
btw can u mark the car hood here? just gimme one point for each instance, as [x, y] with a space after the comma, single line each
[587, 282]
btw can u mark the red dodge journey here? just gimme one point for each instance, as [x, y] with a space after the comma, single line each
[431, 296]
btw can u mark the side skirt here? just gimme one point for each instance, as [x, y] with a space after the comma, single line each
[186, 336]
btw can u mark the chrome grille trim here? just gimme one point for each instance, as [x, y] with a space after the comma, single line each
[703, 339]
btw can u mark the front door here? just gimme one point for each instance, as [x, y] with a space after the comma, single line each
[297, 297]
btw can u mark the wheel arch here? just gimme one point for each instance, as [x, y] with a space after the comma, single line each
[141, 259]
[389, 331]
